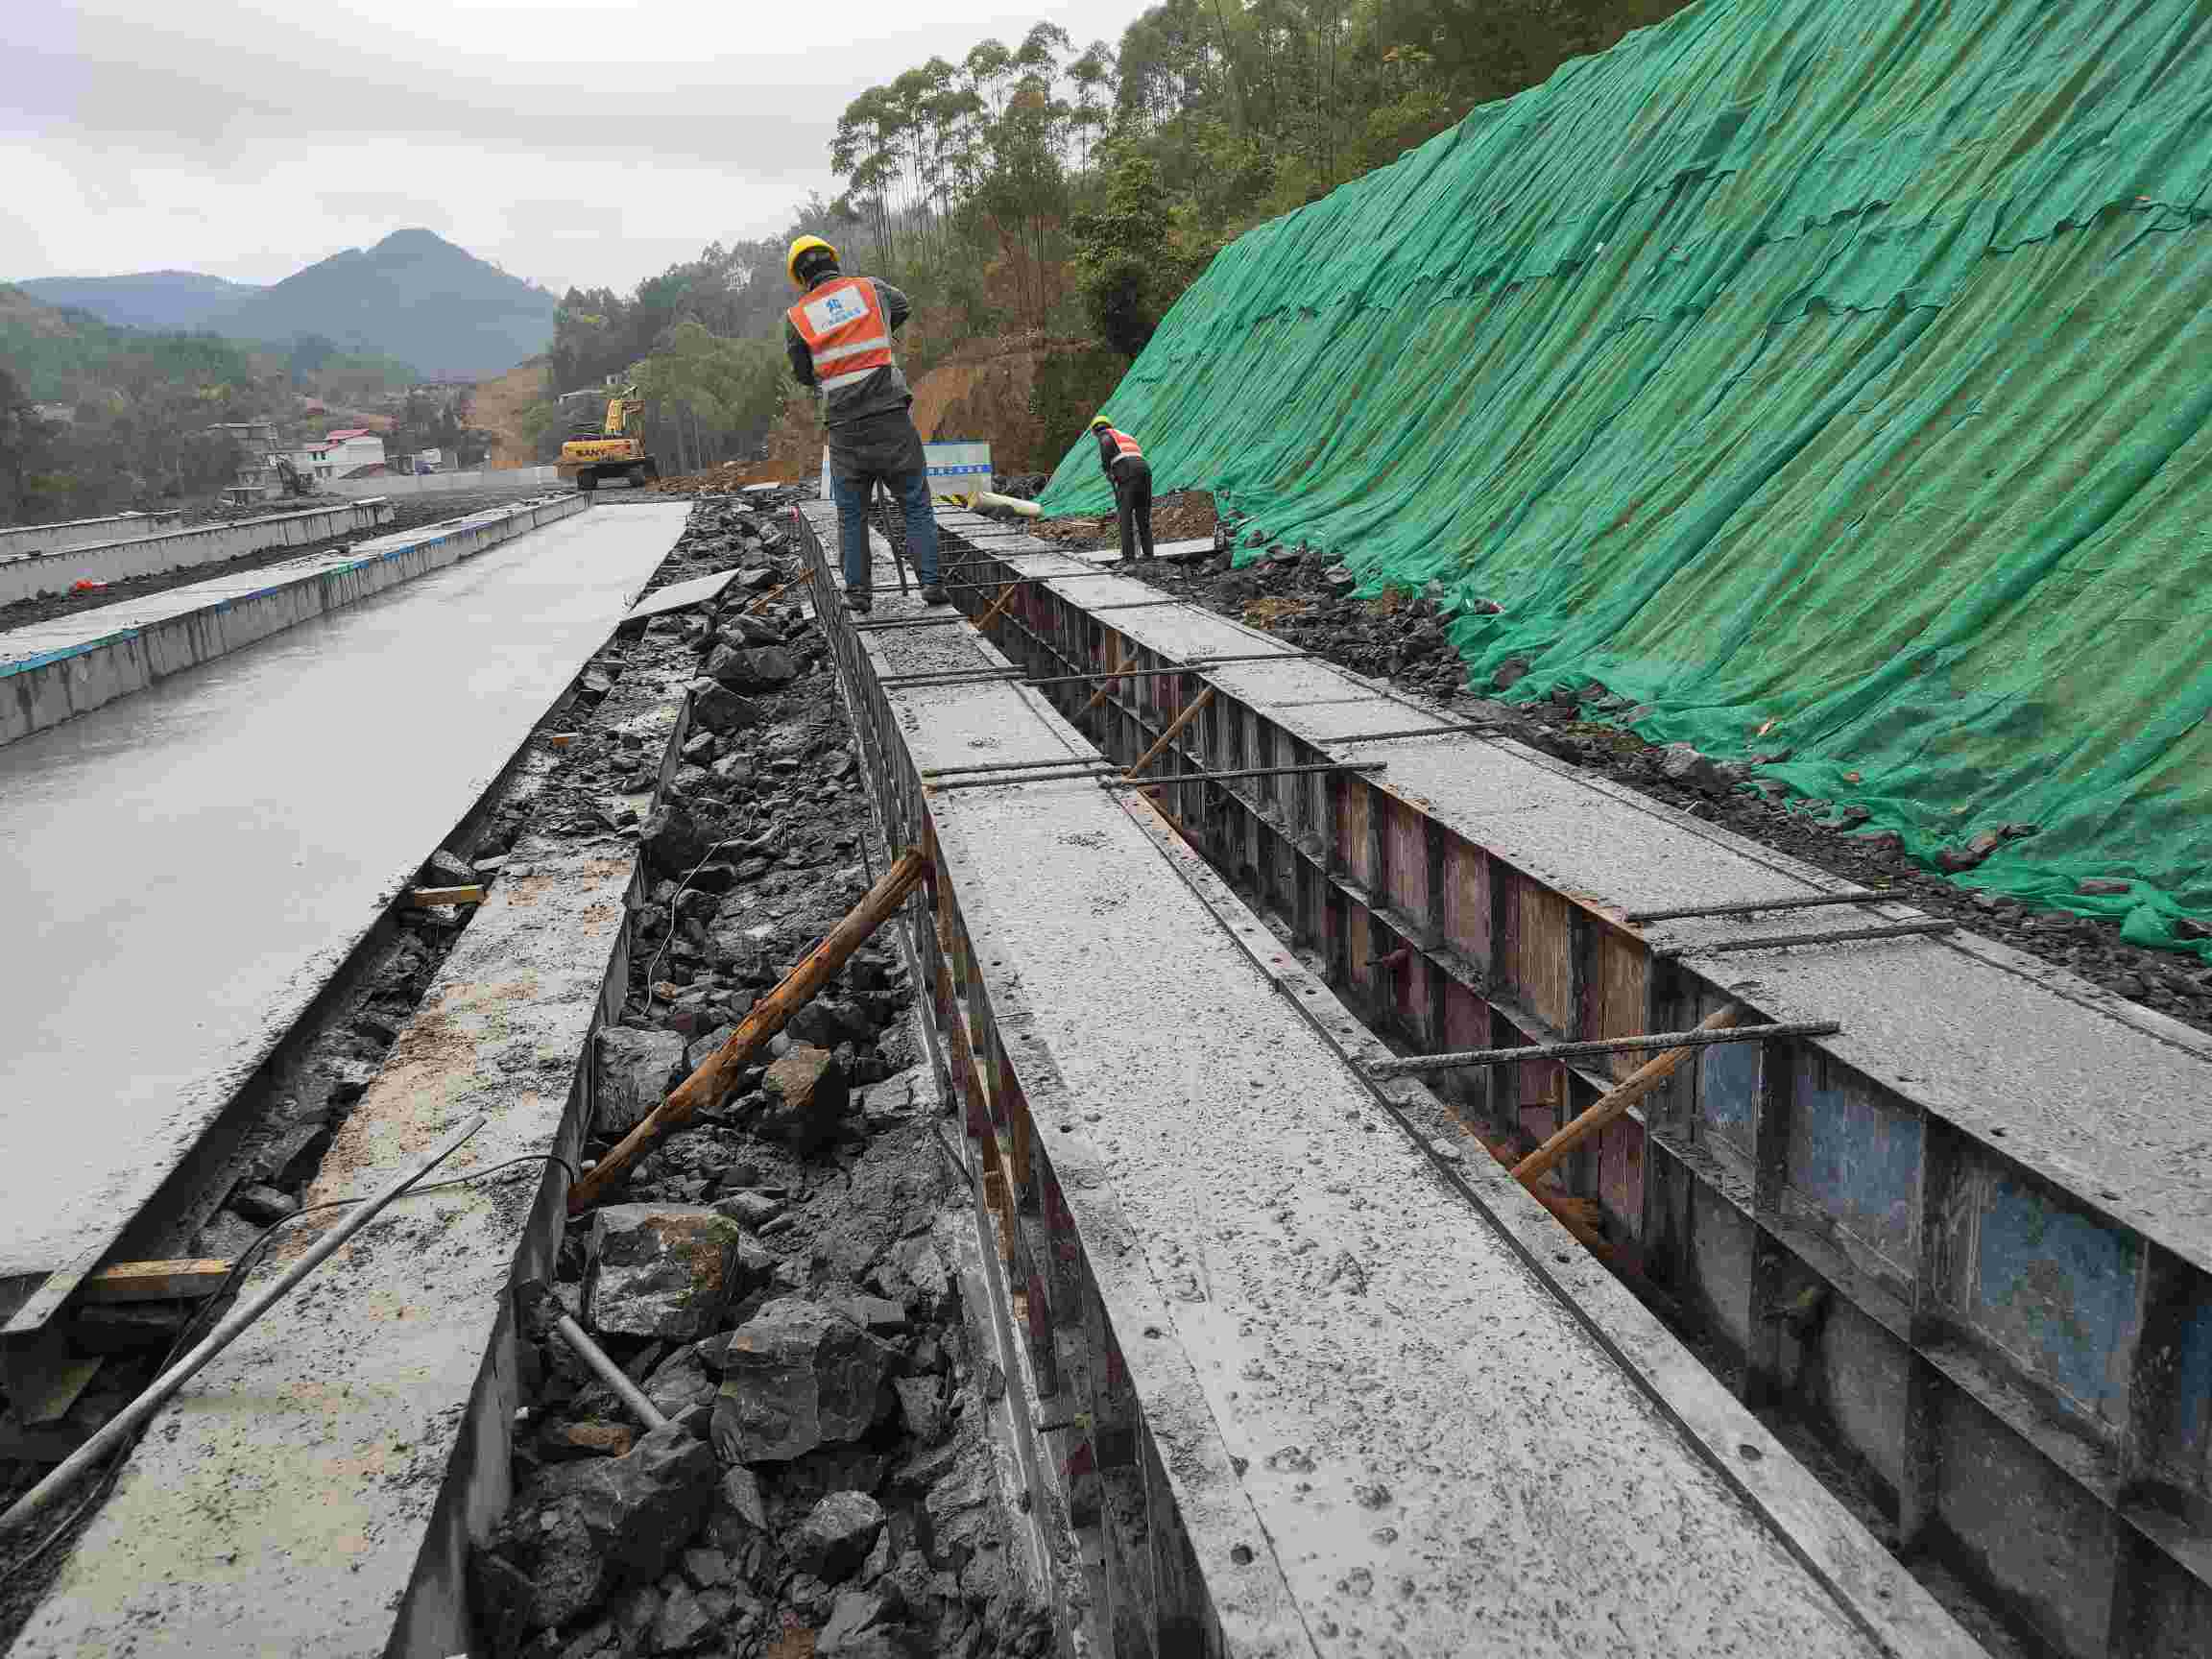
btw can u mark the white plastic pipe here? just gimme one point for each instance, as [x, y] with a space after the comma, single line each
[1011, 503]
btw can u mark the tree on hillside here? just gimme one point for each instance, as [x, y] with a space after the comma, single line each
[708, 396]
[1127, 267]
[27, 444]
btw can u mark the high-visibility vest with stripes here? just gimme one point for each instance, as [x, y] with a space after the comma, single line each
[846, 333]
[1124, 445]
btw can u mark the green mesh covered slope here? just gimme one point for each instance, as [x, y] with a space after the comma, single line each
[1833, 368]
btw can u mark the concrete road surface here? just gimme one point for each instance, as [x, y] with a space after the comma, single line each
[182, 870]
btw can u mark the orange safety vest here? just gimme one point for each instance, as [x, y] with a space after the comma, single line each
[846, 333]
[1126, 444]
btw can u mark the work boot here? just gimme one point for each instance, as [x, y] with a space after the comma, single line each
[859, 601]
[933, 595]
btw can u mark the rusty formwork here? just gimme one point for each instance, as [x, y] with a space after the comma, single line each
[1963, 1245]
[1301, 1370]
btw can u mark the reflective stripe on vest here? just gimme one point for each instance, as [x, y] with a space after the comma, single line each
[1124, 443]
[843, 324]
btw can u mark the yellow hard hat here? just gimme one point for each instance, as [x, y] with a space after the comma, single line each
[806, 244]
[1099, 421]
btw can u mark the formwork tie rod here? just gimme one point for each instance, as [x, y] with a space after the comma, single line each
[1032, 581]
[906, 622]
[1418, 731]
[936, 772]
[1751, 906]
[984, 676]
[1414, 1064]
[1841, 936]
[1154, 783]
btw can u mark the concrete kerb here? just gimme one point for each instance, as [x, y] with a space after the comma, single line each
[363, 1436]
[54, 571]
[21, 541]
[54, 671]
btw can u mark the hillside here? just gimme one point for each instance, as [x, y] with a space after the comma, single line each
[67, 355]
[415, 297]
[499, 406]
[154, 300]
[1910, 514]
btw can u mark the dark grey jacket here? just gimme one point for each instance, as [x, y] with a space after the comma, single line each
[882, 391]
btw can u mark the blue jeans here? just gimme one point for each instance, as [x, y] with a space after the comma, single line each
[852, 496]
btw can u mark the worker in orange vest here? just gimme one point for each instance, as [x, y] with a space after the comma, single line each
[839, 339]
[1131, 476]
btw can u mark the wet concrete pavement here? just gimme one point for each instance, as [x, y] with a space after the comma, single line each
[181, 869]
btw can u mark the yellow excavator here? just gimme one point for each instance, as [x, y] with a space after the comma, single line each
[605, 446]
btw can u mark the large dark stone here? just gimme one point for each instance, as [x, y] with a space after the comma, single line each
[806, 1096]
[671, 842]
[594, 1529]
[658, 1270]
[719, 710]
[635, 1070]
[754, 667]
[833, 1540]
[865, 1624]
[743, 632]
[795, 1376]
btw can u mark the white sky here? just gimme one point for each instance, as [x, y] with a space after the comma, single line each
[571, 141]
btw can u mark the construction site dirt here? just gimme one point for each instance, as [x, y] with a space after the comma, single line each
[408, 513]
[1309, 600]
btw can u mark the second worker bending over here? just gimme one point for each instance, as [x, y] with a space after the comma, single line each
[1131, 476]
[839, 341]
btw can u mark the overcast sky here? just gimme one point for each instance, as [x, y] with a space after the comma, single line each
[571, 141]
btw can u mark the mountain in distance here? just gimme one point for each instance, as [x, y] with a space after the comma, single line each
[414, 295]
[156, 301]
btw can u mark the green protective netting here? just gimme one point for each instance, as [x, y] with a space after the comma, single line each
[1830, 374]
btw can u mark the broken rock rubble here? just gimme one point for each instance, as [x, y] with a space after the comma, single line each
[818, 1366]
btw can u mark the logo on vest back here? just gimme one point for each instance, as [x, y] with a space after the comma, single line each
[834, 310]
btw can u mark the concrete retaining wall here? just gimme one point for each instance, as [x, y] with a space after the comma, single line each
[435, 483]
[24, 538]
[26, 575]
[70, 666]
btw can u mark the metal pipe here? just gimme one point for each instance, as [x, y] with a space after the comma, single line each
[1750, 906]
[608, 1372]
[118, 1429]
[1414, 1064]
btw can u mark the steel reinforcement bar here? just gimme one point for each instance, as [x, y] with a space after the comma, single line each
[1961, 1246]
[1303, 1371]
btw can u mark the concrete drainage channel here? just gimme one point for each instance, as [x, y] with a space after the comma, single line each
[52, 671]
[396, 1409]
[1964, 1278]
[1296, 1374]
